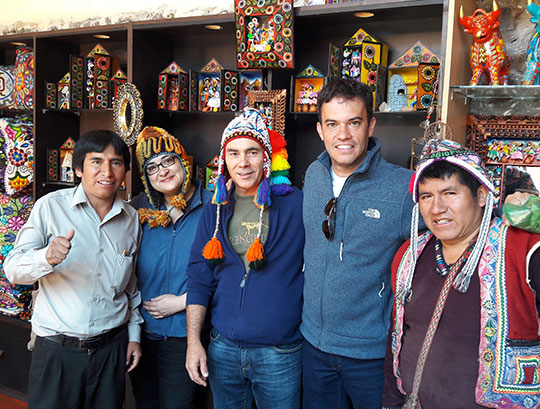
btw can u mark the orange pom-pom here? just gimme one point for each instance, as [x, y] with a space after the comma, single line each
[255, 255]
[213, 251]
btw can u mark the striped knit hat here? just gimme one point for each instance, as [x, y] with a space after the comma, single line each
[153, 142]
[250, 124]
[437, 150]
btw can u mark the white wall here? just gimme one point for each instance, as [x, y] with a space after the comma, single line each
[18, 16]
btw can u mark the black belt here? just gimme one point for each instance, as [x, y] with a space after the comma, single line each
[95, 342]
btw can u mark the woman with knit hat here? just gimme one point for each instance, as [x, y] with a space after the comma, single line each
[169, 211]
[246, 269]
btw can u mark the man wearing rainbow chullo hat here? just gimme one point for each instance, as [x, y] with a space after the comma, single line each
[465, 330]
[246, 267]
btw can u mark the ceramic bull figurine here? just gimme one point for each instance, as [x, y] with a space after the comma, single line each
[533, 51]
[488, 52]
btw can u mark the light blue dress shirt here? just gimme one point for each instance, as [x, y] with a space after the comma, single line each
[94, 289]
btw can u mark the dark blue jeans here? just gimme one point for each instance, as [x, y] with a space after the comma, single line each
[272, 376]
[333, 381]
[161, 381]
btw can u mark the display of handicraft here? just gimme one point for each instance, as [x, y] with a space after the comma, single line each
[252, 80]
[489, 58]
[89, 83]
[365, 59]
[173, 88]
[510, 146]
[209, 87]
[334, 62]
[23, 93]
[411, 79]
[116, 81]
[128, 113]
[264, 33]
[305, 88]
[533, 50]
[271, 105]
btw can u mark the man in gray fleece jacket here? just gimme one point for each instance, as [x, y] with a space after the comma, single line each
[365, 209]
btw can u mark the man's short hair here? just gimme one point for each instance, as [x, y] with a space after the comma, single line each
[97, 141]
[347, 89]
[444, 170]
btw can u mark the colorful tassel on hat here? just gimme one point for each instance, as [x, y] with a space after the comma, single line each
[220, 194]
[255, 255]
[262, 198]
[213, 251]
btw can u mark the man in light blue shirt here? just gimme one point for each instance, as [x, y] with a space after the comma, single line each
[79, 244]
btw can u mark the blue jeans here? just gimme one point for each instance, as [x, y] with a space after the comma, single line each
[333, 381]
[272, 376]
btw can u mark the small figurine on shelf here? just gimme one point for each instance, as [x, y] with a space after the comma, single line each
[66, 160]
[488, 52]
[533, 50]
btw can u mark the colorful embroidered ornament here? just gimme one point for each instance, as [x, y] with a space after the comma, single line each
[452, 152]
[250, 124]
[153, 142]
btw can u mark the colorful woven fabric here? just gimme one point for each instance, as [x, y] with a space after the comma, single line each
[24, 78]
[14, 212]
[7, 78]
[18, 148]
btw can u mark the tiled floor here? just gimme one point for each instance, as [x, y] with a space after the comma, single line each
[7, 402]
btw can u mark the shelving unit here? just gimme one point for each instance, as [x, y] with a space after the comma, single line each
[147, 47]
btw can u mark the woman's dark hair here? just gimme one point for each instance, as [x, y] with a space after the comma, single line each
[348, 89]
[444, 170]
[97, 141]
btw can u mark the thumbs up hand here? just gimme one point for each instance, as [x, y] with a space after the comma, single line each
[59, 248]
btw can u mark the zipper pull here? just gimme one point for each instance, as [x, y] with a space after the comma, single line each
[243, 282]
[341, 251]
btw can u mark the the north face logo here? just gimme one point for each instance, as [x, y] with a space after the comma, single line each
[373, 213]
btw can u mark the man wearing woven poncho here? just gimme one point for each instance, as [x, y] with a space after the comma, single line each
[246, 268]
[465, 317]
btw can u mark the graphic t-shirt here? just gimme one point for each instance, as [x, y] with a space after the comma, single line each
[244, 225]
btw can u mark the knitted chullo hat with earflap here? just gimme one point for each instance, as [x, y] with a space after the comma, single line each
[250, 124]
[437, 150]
[153, 142]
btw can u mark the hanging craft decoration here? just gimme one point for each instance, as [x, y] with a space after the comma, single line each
[128, 113]
[271, 105]
[411, 79]
[533, 50]
[7, 86]
[264, 33]
[305, 89]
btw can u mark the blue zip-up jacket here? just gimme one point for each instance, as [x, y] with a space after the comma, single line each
[163, 259]
[267, 310]
[347, 291]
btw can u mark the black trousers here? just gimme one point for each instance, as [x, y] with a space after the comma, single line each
[161, 380]
[65, 377]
